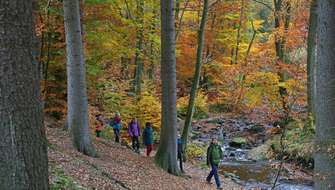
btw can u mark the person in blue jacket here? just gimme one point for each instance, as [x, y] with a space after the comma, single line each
[180, 153]
[148, 137]
[116, 124]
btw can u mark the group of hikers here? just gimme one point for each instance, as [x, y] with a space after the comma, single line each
[214, 151]
[134, 131]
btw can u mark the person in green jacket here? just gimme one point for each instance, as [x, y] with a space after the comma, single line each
[214, 155]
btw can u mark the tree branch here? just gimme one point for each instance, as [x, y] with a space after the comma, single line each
[265, 4]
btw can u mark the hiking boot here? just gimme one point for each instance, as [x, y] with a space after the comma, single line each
[208, 182]
[220, 188]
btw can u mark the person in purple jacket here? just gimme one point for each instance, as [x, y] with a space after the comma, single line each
[134, 132]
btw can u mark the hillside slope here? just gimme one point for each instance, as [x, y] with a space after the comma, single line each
[117, 167]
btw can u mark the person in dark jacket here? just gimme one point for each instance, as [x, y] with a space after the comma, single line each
[180, 153]
[116, 124]
[214, 155]
[148, 138]
[134, 132]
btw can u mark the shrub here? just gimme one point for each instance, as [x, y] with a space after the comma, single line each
[195, 151]
[200, 109]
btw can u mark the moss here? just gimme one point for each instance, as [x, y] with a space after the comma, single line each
[62, 181]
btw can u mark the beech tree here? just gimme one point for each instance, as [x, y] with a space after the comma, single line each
[197, 74]
[311, 57]
[76, 80]
[23, 145]
[166, 156]
[325, 93]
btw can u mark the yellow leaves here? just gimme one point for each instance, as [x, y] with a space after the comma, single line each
[201, 108]
[149, 110]
[262, 88]
[258, 24]
[195, 151]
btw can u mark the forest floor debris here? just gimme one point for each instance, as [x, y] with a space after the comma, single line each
[117, 167]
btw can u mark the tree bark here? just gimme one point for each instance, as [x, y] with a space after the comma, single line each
[152, 67]
[139, 48]
[278, 40]
[311, 56]
[325, 104]
[166, 156]
[238, 38]
[197, 74]
[23, 145]
[76, 80]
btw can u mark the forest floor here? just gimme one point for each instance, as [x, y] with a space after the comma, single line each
[117, 167]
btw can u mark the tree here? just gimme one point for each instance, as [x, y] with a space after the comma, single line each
[280, 40]
[325, 93]
[311, 56]
[166, 156]
[23, 145]
[139, 47]
[238, 38]
[197, 74]
[76, 77]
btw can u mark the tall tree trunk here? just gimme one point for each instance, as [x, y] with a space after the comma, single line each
[325, 104]
[280, 48]
[23, 145]
[311, 56]
[139, 48]
[278, 40]
[204, 79]
[76, 80]
[177, 9]
[152, 67]
[180, 18]
[238, 38]
[166, 156]
[197, 74]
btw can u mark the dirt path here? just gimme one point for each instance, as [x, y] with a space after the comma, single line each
[117, 167]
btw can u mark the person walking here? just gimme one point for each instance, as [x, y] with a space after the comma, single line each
[116, 124]
[134, 132]
[180, 153]
[214, 155]
[148, 138]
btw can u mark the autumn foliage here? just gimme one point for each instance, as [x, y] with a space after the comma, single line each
[241, 71]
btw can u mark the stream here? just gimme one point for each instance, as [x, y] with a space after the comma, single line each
[238, 164]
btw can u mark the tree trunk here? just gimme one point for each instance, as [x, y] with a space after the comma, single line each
[197, 74]
[238, 38]
[76, 80]
[139, 48]
[166, 156]
[325, 104]
[23, 145]
[180, 18]
[311, 56]
[280, 47]
[152, 67]
[177, 9]
[278, 40]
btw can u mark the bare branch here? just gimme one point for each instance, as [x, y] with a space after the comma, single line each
[265, 4]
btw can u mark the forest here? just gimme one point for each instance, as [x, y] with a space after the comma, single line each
[148, 94]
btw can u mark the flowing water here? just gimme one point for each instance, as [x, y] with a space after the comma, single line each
[240, 167]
